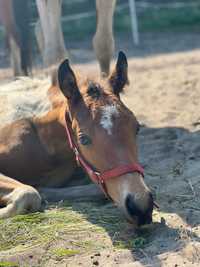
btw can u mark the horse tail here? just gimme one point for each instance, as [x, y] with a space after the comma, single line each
[21, 10]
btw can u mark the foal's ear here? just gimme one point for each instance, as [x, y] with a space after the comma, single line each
[67, 82]
[119, 77]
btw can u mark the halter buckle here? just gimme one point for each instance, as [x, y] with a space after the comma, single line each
[76, 151]
[100, 180]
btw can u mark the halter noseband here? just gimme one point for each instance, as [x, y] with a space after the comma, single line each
[95, 176]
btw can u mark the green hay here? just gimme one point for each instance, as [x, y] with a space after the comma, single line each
[61, 252]
[8, 264]
[131, 244]
[25, 231]
[75, 228]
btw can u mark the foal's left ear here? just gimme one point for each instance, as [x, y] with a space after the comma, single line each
[119, 77]
[67, 82]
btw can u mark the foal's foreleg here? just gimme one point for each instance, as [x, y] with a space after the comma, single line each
[89, 192]
[17, 198]
[103, 41]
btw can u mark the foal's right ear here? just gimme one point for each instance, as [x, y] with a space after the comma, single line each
[119, 78]
[67, 82]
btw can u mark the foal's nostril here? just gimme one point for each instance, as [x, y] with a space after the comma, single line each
[143, 217]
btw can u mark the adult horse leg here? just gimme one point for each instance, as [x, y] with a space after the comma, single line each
[39, 38]
[9, 21]
[15, 57]
[103, 41]
[17, 198]
[54, 47]
[22, 29]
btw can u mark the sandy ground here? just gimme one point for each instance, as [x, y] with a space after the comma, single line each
[164, 94]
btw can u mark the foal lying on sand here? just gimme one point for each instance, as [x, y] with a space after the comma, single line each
[35, 152]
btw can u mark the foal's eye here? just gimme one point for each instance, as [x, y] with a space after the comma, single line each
[84, 140]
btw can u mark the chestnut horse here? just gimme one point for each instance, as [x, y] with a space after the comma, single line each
[14, 16]
[50, 37]
[35, 152]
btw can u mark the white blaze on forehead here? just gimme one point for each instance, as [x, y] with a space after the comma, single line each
[107, 115]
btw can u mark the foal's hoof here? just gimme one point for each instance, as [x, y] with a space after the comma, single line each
[27, 199]
[21, 200]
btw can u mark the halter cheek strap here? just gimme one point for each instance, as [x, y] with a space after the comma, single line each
[95, 176]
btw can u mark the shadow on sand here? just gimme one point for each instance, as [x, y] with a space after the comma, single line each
[170, 156]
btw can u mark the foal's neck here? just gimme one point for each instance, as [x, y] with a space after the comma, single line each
[52, 133]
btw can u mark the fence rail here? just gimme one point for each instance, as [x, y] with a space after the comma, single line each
[83, 15]
[144, 4]
[148, 4]
[122, 7]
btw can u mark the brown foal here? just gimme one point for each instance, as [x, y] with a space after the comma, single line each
[36, 151]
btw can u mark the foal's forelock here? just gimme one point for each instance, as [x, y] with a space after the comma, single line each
[102, 104]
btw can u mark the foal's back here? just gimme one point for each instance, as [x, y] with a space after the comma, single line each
[33, 146]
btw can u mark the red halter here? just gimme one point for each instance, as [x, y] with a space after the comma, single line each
[95, 176]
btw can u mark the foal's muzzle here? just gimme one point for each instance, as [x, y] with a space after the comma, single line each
[136, 213]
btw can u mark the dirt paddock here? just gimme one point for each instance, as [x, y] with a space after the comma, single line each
[164, 94]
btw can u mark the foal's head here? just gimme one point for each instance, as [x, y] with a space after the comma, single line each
[105, 131]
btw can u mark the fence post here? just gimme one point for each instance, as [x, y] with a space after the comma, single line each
[134, 23]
